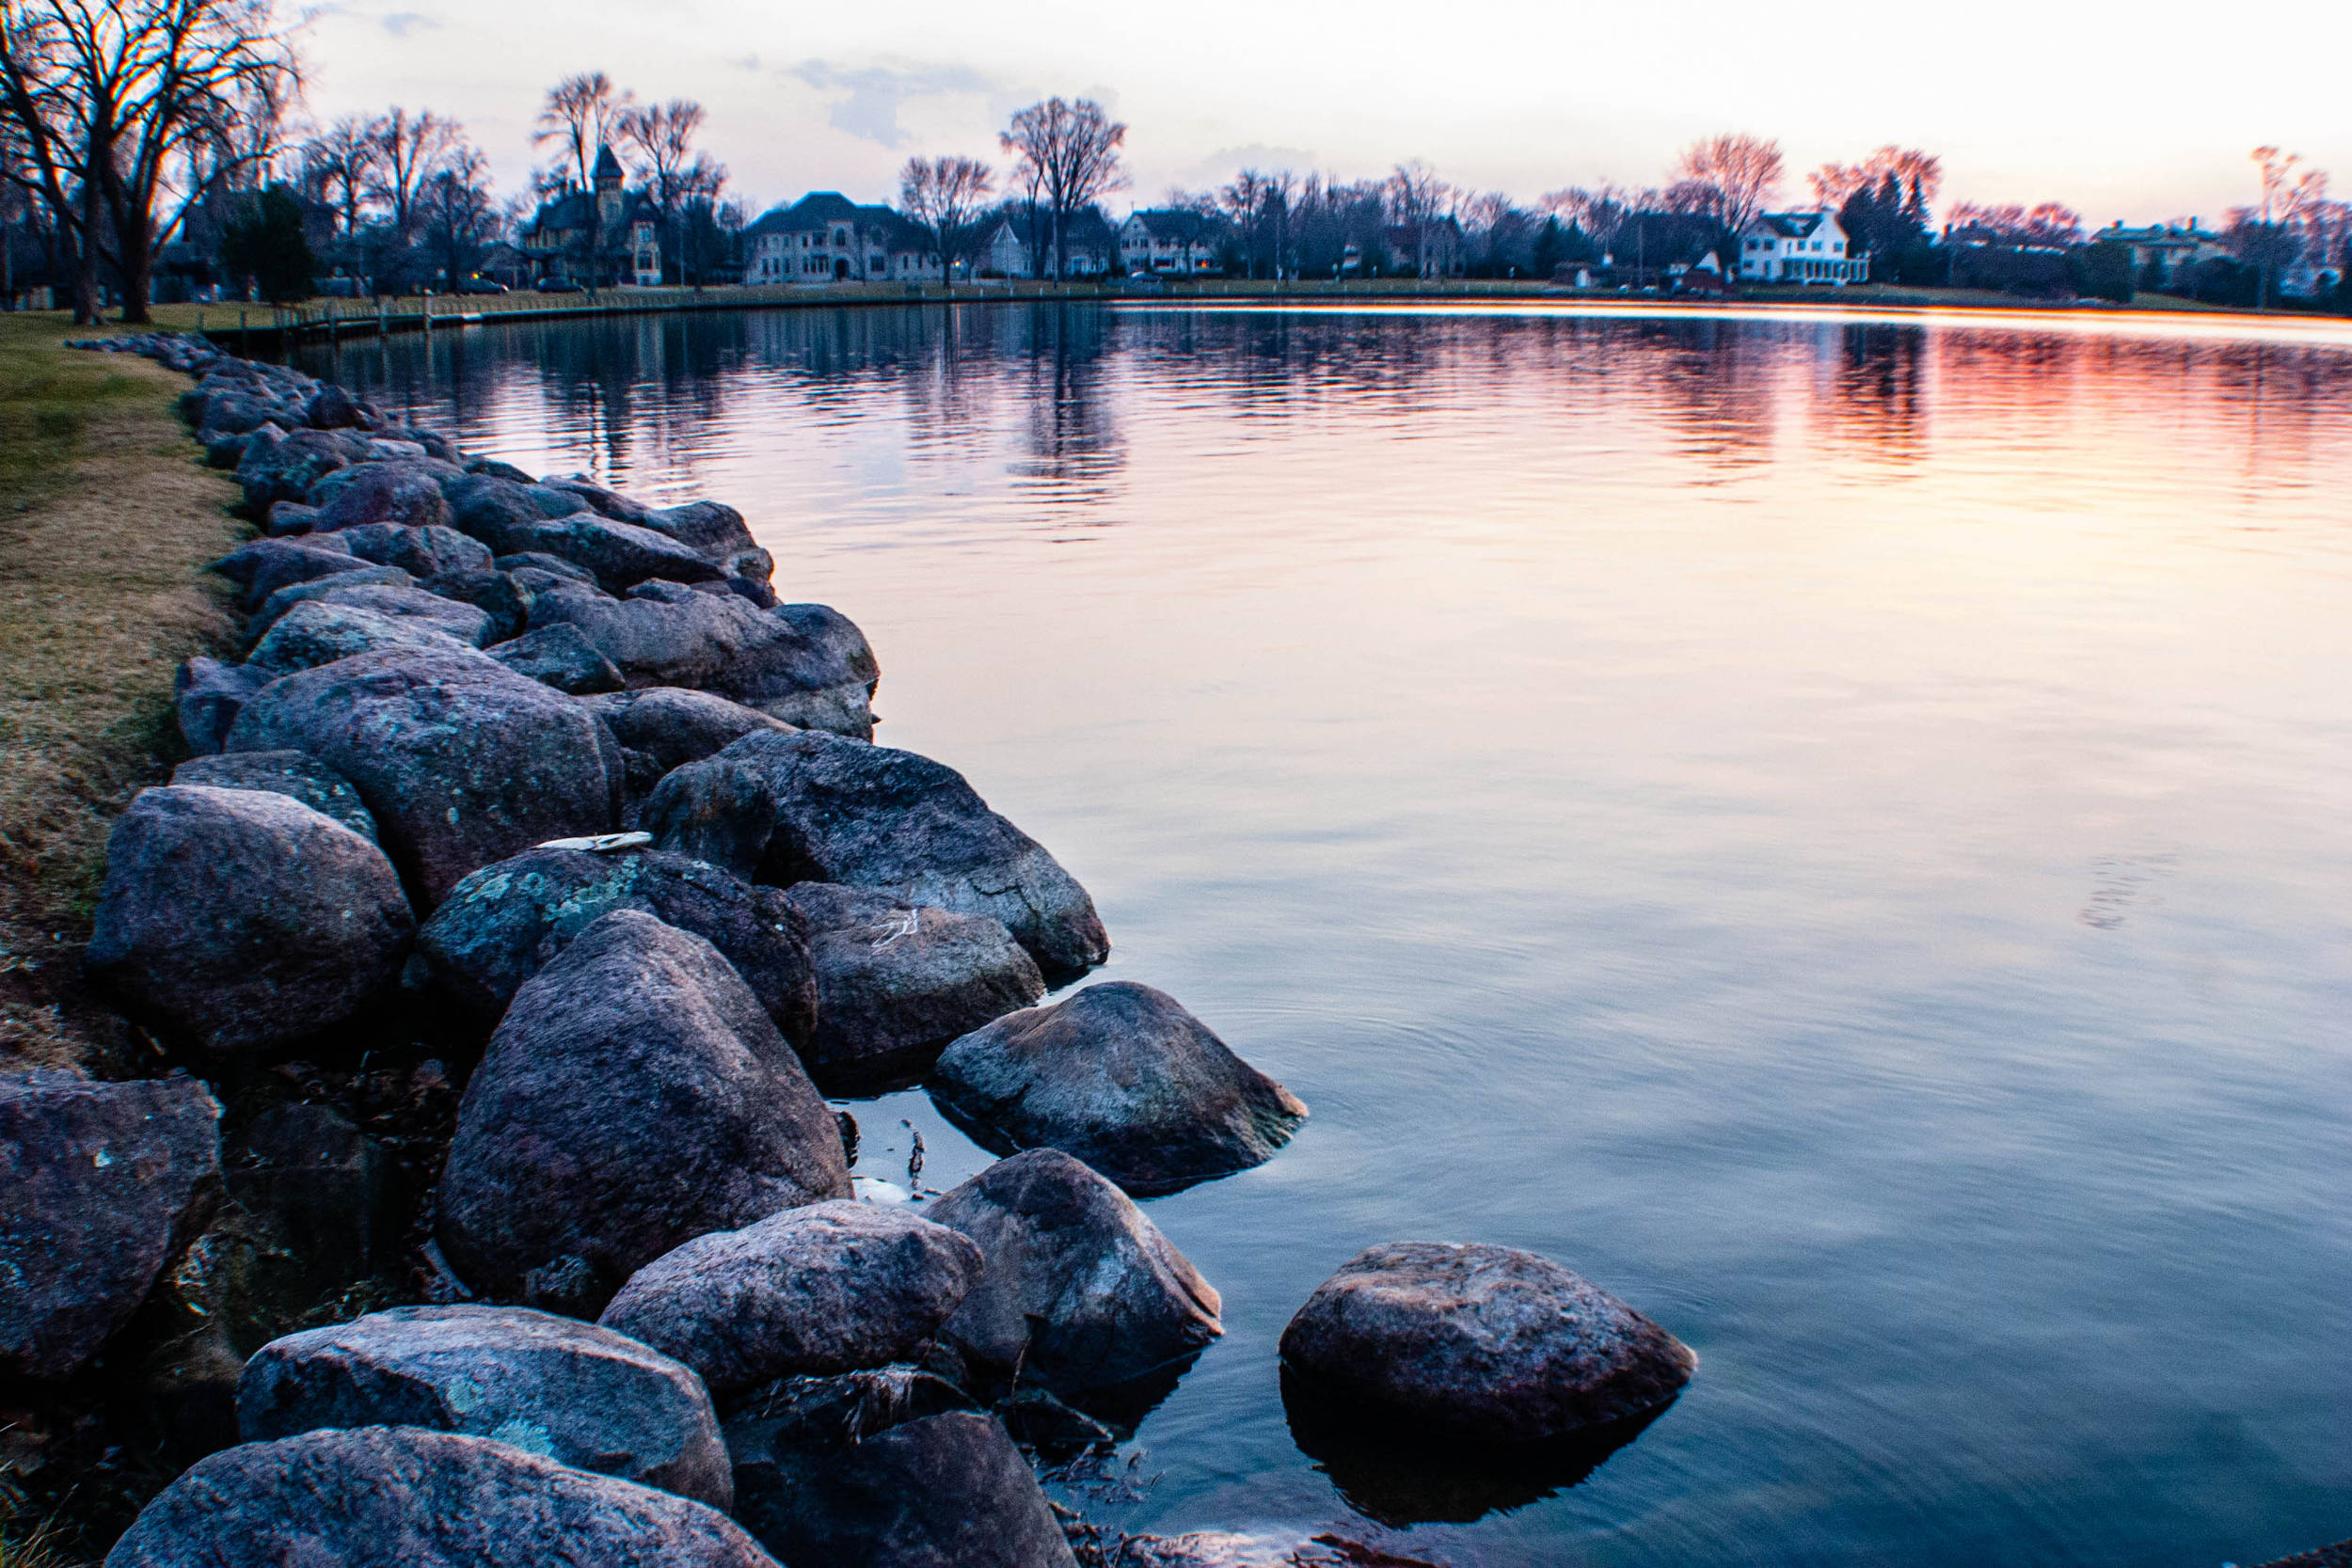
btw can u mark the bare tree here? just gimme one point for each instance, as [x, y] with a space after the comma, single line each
[1073, 148]
[339, 164]
[1920, 174]
[1598, 210]
[456, 215]
[661, 138]
[944, 194]
[110, 98]
[579, 116]
[1417, 200]
[2047, 223]
[410, 151]
[1744, 171]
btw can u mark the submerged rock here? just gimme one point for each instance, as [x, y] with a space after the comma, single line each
[1123, 1077]
[830, 1287]
[242, 919]
[502, 924]
[1077, 1287]
[636, 1096]
[296, 774]
[578, 1394]
[106, 1184]
[895, 982]
[461, 761]
[813, 807]
[376, 1496]
[1485, 1343]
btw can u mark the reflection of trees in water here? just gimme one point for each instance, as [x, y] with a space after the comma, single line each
[1877, 399]
[1072, 440]
[1716, 383]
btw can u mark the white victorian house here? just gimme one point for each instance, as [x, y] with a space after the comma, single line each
[1798, 247]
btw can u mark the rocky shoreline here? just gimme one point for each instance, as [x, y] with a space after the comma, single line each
[534, 880]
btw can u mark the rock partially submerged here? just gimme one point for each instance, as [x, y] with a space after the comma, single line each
[381, 1497]
[813, 807]
[831, 1286]
[1077, 1287]
[578, 1394]
[1123, 1077]
[896, 983]
[502, 924]
[242, 919]
[1485, 1343]
[636, 1096]
[105, 1184]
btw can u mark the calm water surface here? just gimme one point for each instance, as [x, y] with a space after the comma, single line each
[1837, 831]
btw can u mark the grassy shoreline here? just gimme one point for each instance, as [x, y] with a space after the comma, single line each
[106, 519]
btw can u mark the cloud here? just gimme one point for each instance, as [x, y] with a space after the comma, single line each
[401, 23]
[871, 96]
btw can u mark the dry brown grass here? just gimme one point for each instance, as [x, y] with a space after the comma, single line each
[107, 517]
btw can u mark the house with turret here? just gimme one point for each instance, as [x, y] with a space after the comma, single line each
[607, 234]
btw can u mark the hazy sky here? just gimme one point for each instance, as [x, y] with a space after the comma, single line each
[2141, 111]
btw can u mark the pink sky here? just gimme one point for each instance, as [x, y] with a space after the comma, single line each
[2141, 112]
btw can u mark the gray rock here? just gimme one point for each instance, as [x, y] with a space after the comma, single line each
[838, 643]
[331, 408]
[292, 773]
[575, 1393]
[461, 761]
[619, 555]
[397, 600]
[257, 624]
[421, 551]
[674, 726]
[242, 920]
[504, 515]
[106, 1184]
[1077, 1287]
[1121, 1076]
[286, 470]
[404, 1497]
[288, 518]
[946, 1491]
[207, 697]
[831, 1286]
[502, 925]
[810, 807]
[559, 657]
[554, 566]
[727, 1129]
[1484, 1344]
[495, 594]
[668, 634]
[316, 633]
[404, 495]
[262, 566]
[896, 982]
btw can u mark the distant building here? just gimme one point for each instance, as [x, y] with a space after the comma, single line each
[611, 234]
[1169, 241]
[1431, 250]
[2164, 253]
[1798, 247]
[826, 238]
[1089, 245]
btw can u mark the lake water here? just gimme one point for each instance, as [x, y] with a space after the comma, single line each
[1840, 831]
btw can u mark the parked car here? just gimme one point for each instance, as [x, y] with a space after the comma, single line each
[559, 286]
[481, 286]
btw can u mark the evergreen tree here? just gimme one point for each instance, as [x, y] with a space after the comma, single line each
[270, 248]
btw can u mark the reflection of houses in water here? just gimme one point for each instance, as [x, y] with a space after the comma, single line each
[1877, 394]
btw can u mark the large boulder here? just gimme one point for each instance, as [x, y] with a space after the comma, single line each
[106, 1185]
[672, 726]
[208, 695]
[284, 470]
[292, 773]
[668, 634]
[1484, 1344]
[261, 566]
[504, 515]
[461, 761]
[559, 657]
[404, 495]
[829, 1288]
[422, 550]
[581, 1395]
[1121, 1076]
[813, 807]
[618, 555]
[503, 923]
[895, 982]
[394, 599]
[946, 1491]
[722, 1127]
[315, 633]
[242, 920]
[1077, 1287]
[293, 593]
[405, 1498]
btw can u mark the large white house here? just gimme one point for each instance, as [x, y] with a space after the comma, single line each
[1167, 240]
[826, 238]
[1798, 247]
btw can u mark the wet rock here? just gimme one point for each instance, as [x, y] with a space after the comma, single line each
[1039, 1421]
[105, 1184]
[400, 495]
[242, 920]
[504, 923]
[830, 1287]
[421, 551]
[559, 657]
[316, 633]
[811, 807]
[946, 1491]
[633, 1014]
[495, 594]
[1121, 1076]
[291, 773]
[461, 761]
[895, 982]
[385, 1496]
[572, 1392]
[208, 695]
[1077, 1287]
[262, 566]
[1485, 1343]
